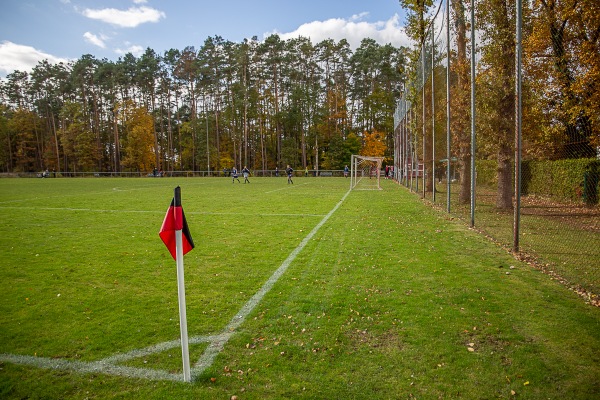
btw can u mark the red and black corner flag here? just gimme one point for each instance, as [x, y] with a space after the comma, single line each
[175, 221]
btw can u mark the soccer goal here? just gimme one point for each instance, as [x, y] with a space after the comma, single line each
[365, 172]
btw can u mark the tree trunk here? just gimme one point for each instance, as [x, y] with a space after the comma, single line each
[464, 168]
[505, 188]
[156, 148]
[461, 101]
[277, 121]
[506, 106]
[245, 139]
[117, 142]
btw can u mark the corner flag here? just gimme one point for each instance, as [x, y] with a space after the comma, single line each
[175, 234]
[175, 221]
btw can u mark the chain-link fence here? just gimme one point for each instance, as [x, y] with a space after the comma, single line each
[489, 129]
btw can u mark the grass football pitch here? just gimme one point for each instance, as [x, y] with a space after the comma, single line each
[293, 291]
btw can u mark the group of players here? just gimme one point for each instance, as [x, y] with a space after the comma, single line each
[246, 173]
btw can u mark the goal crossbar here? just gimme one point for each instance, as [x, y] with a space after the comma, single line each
[365, 172]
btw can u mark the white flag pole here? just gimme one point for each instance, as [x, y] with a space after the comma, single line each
[181, 294]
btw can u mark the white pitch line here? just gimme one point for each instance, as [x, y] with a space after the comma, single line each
[107, 191]
[215, 347]
[65, 195]
[157, 348]
[216, 343]
[79, 209]
[90, 367]
[156, 212]
[110, 365]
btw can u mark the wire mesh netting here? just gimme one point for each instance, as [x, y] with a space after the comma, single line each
[365, 172]
[491, 128]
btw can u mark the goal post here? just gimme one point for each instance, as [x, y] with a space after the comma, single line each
[365, 172]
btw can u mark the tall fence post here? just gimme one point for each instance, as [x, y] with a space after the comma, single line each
[518, 109]
[448, 148]
[473, 136]
[423, 119]
[432, 173]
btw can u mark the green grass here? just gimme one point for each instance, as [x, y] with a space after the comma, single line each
[563, 238]
[389, 299]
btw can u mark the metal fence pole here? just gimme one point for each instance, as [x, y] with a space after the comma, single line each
[406, 153]
[448, 148]
[423, 119]
[518, 108]
[432, 115]
[473, 136]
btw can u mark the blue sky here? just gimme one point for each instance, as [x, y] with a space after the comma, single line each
[62, 30]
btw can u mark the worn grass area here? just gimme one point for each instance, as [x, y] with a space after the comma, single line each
[388, 300]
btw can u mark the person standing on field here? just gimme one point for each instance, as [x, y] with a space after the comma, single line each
[234, 174]
[289, 172]
[246, 173]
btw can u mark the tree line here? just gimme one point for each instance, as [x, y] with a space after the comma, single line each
[270, 103]
[261, 104]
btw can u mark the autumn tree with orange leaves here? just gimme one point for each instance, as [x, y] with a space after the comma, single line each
[139, 138]
[373, 144]
[562, 57]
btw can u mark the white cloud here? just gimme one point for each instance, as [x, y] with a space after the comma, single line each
[358, 17]
[133, 49]
[95, 40]
[353, 29]
[23, 58]
[129, 18]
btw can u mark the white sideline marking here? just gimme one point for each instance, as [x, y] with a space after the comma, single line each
[215, 347]
[107, 191]
[216, 343]
[155, 212]
[91, 367]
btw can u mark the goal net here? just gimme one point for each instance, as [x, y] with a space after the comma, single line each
[365, 172]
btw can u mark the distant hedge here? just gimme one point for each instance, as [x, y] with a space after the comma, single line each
[572, 180]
